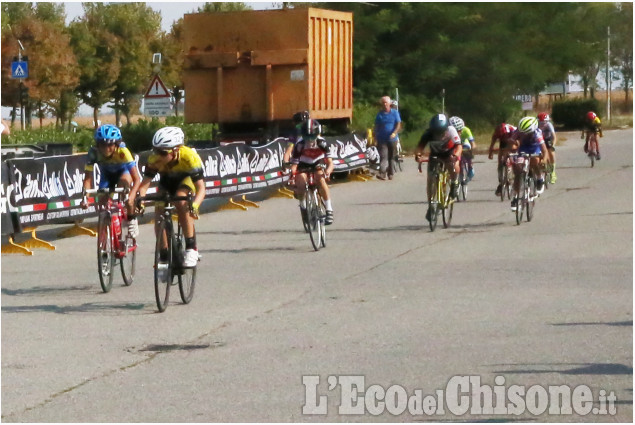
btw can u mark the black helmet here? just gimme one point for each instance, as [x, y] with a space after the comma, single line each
[439, 123]
[311, 129]
[299, 117]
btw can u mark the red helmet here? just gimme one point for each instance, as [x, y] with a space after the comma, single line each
[591, 116]
[504, 129]
[543, 116]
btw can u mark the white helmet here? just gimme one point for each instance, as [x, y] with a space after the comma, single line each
[457, 123]
[168, 137]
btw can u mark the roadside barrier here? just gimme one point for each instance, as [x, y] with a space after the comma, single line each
[48, 190]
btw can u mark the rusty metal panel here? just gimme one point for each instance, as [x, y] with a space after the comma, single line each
[257, 66]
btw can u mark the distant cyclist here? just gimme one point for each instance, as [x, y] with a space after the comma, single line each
[117, 167]
[549, 134]
[529, 140]
[592, 124]
[298, 119]
[444, 142]
[181, 172]
[309, 152]
[467, 140]
[503, 135]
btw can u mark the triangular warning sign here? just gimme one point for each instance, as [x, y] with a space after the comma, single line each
[157, 89]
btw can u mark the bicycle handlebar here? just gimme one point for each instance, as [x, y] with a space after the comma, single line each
[115, 190]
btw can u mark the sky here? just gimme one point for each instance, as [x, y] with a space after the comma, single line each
[170, 10]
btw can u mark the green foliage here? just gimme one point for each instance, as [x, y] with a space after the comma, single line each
[81, 140]
[571, 113]
[138, 137]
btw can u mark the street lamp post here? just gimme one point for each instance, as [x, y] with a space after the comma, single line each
[608, 75]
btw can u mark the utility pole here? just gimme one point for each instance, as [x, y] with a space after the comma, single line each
[608, 75]
[22, 117]
[443, 101]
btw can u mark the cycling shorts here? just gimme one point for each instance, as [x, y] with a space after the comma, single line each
[109, 179]
[171, 185]
[530, 149]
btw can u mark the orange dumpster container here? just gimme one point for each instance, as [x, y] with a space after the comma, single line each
[261, 67]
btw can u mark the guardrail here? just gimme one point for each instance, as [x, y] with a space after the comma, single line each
[48, 190]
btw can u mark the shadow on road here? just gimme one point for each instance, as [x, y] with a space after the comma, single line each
[625, 323]
[583, 369]
[46, 290]
[83, 308]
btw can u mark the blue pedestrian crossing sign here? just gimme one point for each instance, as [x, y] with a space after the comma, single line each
[19, 69]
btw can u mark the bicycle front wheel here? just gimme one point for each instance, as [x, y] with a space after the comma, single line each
[448, 206]
[531, 197]
[313, 214]
[105, 257]
[322, 210]
[163, 269]
[433, 206]
[186, 276]
[128, 258]
[520, 205]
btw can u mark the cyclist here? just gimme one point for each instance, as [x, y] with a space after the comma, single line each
[467, 140]
[117, 168]
[592, 124]
[445, 143]
[528, 139]
[310, 151]
[502, 134]
[298, 119]
[549, 134]
[181, 172]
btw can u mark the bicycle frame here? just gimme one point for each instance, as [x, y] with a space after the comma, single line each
[316, 214]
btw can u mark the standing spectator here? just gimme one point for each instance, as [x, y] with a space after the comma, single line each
[387, 126]
[4, 128]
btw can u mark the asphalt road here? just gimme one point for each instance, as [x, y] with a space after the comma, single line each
[545, 303]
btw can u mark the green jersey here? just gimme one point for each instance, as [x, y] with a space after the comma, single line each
[466, 137]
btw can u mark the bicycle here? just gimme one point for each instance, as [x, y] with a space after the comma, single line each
[441, 196]
[463, 176]
[165, 270]
[314, 220]
[398, 157]
[508, 178]
[113, 242]
[593, 147]
[527, 190]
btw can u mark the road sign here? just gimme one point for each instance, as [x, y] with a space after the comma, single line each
[157, 106]
[157, 89]
[19, 69]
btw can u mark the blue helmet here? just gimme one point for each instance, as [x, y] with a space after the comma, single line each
[108, 134]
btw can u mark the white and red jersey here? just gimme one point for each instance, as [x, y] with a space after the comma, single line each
[310, 152]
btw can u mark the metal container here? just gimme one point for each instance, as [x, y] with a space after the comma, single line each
[261, 67]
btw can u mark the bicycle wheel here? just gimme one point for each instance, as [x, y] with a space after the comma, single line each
[448, 206]
[313, 214]
[322, 210]
[163, 270]
[186, 276]
[531, 196]
[433, 206]
[520, 205]
[592, 150]
[105, 257]
[128, 260]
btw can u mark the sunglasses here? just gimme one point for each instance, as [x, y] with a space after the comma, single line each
[161, 152]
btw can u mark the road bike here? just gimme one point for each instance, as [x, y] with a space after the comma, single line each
[527, 190]
[315, 217]
[397, 157]
[442, 200]
[508, 178]
[464, 176]
[114, 243]
[593, 147]
[169, 269]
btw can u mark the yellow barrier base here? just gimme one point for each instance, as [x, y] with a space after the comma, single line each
[249, 203]
[35, 242]
[14, 248]
[360, 175]
[77, 230]
[283, 192]
[232, 205]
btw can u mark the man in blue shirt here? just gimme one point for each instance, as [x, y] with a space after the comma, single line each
[387, 127]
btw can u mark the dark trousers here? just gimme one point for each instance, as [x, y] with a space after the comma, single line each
[386, 154]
